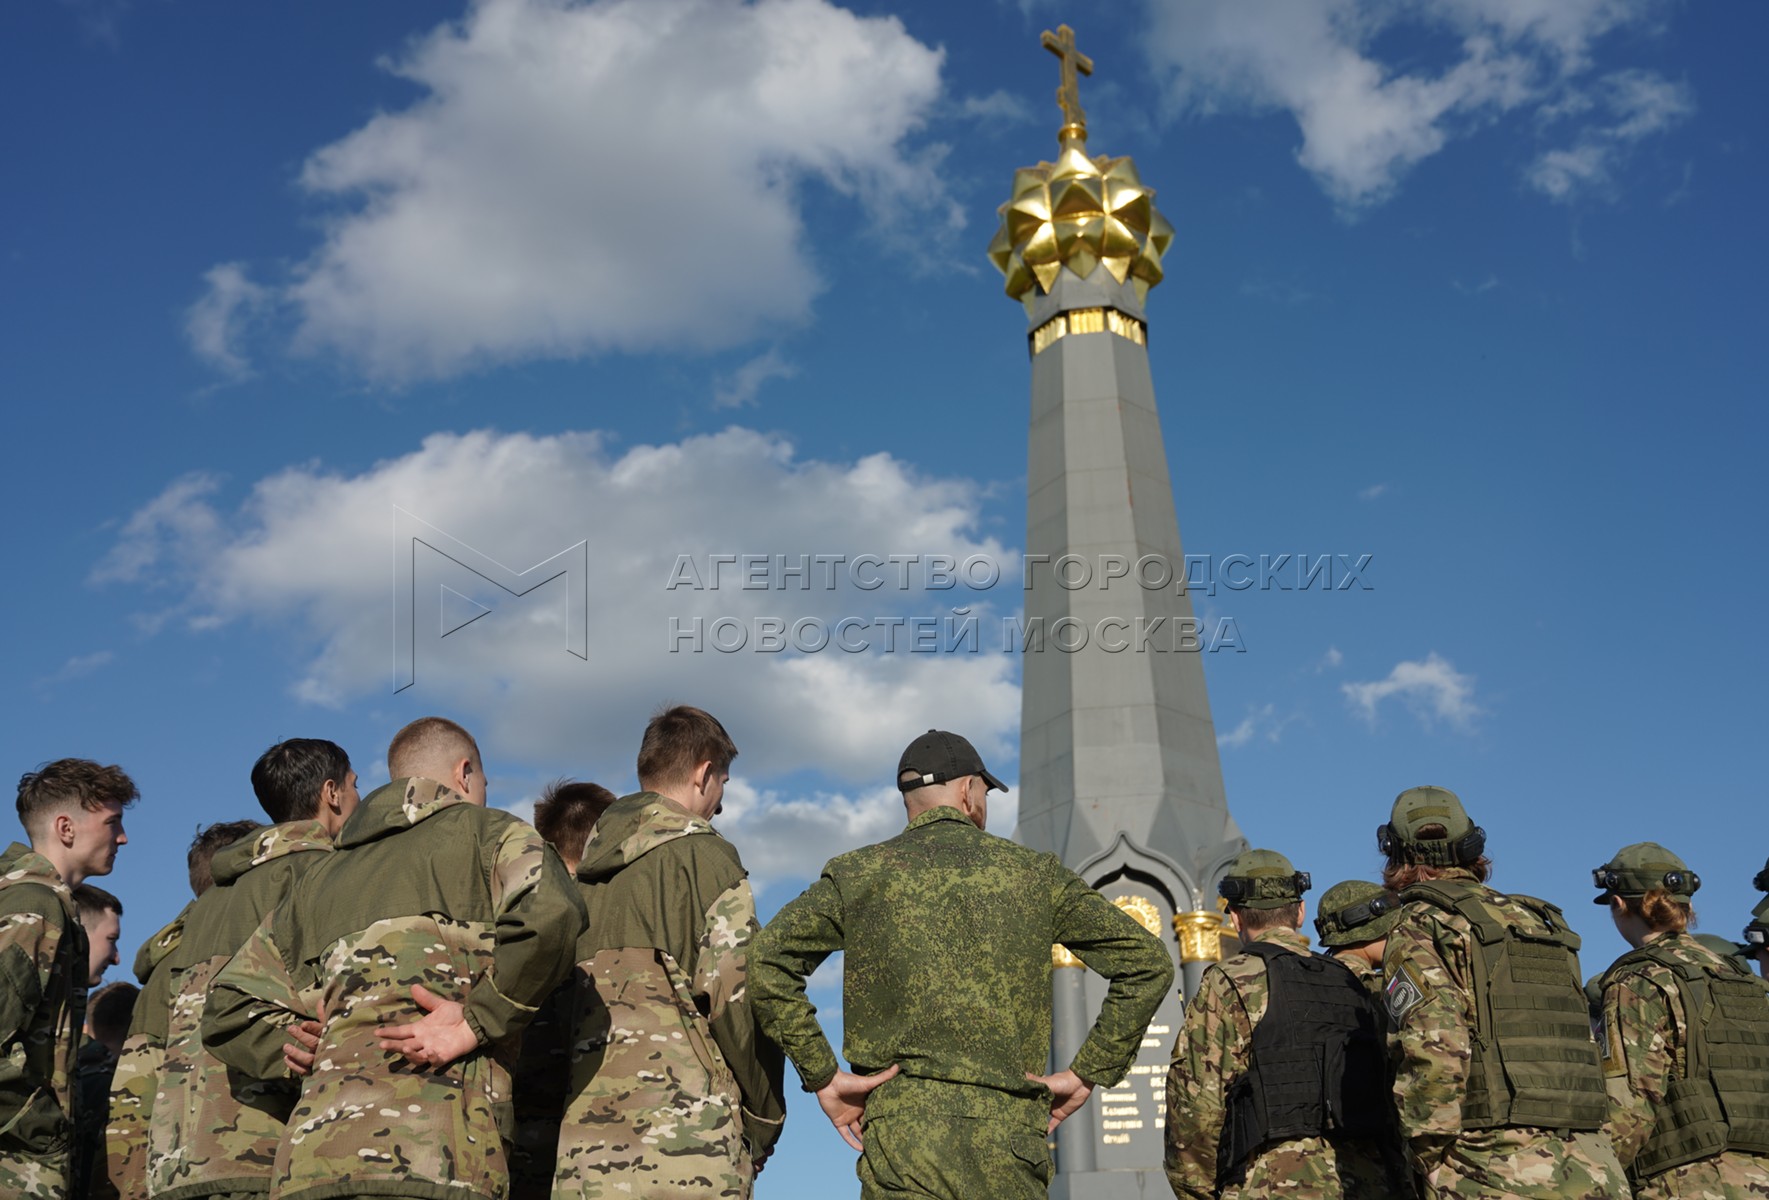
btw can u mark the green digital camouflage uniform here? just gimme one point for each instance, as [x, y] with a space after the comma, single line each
[138, 1071]
[43, 972]
[947, 933]
[213, 1131]
[1212, 1050]
[673, 1093]
[424, 888]
[1643, 1027]
[1432, 1044]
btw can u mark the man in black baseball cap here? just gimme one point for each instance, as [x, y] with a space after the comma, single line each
[937, 757]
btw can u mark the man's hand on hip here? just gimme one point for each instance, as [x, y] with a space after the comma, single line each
[844, 1101]
[1068, 1092]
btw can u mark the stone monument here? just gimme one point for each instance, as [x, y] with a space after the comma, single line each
[1119, 774]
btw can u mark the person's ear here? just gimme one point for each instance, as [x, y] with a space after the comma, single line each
[64, 829]
[702, 777]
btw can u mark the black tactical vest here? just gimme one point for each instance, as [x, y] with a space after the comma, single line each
[1534, 1063]
[1721, 1100]
[1317, 1064]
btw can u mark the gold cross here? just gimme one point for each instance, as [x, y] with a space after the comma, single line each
[1062, 44]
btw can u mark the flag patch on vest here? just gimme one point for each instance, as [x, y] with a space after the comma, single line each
[1405, 993]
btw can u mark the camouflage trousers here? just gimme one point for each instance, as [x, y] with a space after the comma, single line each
[1731, 1176]
[1319, 1169]
[953, 1158]
[1536, 1163]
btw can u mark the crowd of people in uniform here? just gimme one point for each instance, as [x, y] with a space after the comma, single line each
[412, 994]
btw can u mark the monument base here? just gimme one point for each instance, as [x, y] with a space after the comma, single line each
[1111, 1185]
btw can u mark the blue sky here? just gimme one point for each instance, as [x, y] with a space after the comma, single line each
[1471, 287]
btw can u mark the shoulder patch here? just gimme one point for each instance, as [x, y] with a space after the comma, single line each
[1609, 1046]
[1404, 992]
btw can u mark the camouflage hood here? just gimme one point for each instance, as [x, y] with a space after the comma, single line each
[154, 951]
[632, 827]
[21, 864]
[266, 843]
[395, 807]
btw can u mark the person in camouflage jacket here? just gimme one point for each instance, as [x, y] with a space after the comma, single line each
[1429, 967]
[673, 1093]
[138, 1072]
[1214, 1052]
[432, 907]
[1645, 1028]
[72, 811]
[1353, 923]
[137, 1077]
[946, 991]
[211, 1130]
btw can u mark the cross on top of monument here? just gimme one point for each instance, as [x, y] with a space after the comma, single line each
[1068, 96]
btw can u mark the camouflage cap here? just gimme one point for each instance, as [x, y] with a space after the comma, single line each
[1262, 879]
[1355, 912]
[1422, 807]
[1640, 868]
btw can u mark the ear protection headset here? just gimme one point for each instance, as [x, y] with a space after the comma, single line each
[1464, 851]
[1678, 883]
[1240, 891]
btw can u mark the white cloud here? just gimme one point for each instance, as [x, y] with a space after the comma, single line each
[215, 324]
[739, 388]
[1433, 689]
[307, 556]
[1366, 122]
[1638, 105]
[77, 667]
[1373, 492]
[998, 107]
[1332, 658]
[623, 174]
[1257, 720]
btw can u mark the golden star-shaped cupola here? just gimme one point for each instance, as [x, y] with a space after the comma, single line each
[1079, 213]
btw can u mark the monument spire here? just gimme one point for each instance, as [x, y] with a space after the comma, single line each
[1119, 774]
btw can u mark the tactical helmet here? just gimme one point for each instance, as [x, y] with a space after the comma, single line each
[1262, 879]
[1641, 867]
[1756, 934]
[1761, 881]
[1416, 808]
[1725, 948]
[1355, 912]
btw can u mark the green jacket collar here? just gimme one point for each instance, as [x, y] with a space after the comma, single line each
[156, 948]
[267, 843]
[944, 812]
[1289, 939]
[634, 826]
[395, 807]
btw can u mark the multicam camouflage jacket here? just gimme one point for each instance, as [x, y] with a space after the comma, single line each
[1428, 966]
[940, 924]
[424, 888]
[1644, 1035]
[1212, 1051]
[212, 1129]
[673, 1092]
[1367, 974]
[42, 1004]
[124, 1176]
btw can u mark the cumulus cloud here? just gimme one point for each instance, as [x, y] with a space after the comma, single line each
[307, 554]
[624, 174]
[1432, 689]
[1365, 122]
[1637, 105]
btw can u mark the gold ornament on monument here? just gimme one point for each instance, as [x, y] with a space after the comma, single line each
[1144, 910]
[1081, 213]
[1200, 935]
